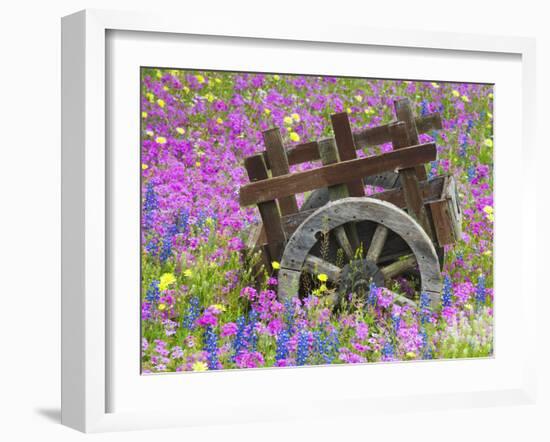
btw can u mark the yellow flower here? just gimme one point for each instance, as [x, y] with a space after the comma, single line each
[210, 97]
[160, 102]
[348, 110]
[267, 111]
[200, 366]
[188, 273]
[162, 307]
[150, 133]
[199, 78]
[322, 277]
[198, 164]
[275, 265]
[490, 115]
[465, 99]
[488, 210]
[165, 88]
[209, 221]
[185, 89]
[435, 85]
[160, 140]
[358, 98]
[166, 280]
[410, 355]
[144, 166]
[217, 80]
[468, 306]
[276, 77]
[294, 136]
[150, 96]
[296, 117]
[488, 142]
[158, 73]
[219, 121]
[180, 130]
[490, 95]
[322, 288]
[487, 253]
[144, 115]
[287, 120]
[456, 93]
[219, 307]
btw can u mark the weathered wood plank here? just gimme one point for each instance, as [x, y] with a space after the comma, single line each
[279, 166]
[377, 243]
[398, 267]
[346, 149]
[372, 136]
[404, 113]
[316, 265]
[291, 184]
[408, 179]
[431, 191]
[269, 212]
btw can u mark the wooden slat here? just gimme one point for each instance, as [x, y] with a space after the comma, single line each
[404, 113]
[279, 166]
[372, 136]
[269, 212]
[408, 179]
[431, 191]
[346, 148]
[291, 184]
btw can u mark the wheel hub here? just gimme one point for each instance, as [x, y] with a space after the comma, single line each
[357, 275]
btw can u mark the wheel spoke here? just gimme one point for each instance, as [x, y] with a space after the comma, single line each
[343, 241]
[316, 265]
[398, 267]
[377, 243]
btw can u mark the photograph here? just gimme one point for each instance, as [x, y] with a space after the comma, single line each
[295, 220]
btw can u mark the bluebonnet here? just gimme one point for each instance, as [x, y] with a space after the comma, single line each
[302, 350]
[371, 298]
[470, 125]
[150, 205]
[447, 295]
[326, 346]
[152, 247]
[252, 335]
[396, 322]
[480, 290]
[424, 307]
[282, 345]
[388, 350]
[433, 165]
[424, 107]
[182, 222]
[201, 219]
[166, 249]
[239, 344]
[289, 314]
[153, 292]
[193, 312]
[426, 351]
[471, 173]
[211, 347]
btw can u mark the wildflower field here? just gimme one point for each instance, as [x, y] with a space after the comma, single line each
[202, 307]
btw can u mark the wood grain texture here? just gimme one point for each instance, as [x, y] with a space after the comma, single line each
[346, 149]
[291, 184]
[279, 166]
[337, 213]
[404, 113]
[372, 136]
[269, 212]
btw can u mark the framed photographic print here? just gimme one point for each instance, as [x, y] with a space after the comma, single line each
[310, 215]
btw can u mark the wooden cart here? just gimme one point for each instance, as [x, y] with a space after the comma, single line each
[338, 231]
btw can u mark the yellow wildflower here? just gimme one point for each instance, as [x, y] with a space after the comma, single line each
[144, 115]
[348, 110]
[456, 93]
[488, 142]
[322, 277]
[150, 96]
[160, 140]
[219, 307]
[465, 99]
[200, 366]
[218, 80]
[358, 98]
[322, 288]
[165, 88]
[198, 164]
[296, 117]
[276, 77]
[275, 265]
[287, 120]
[199, 78]
[160, 102]
[468, 306]
[267, 111]
[162, 307]
[487, 253]
[489, 212]
[219, 121]
[210, 97]
[166, 280]
[490, 115]
[180, 130]
[410, 355]
[188, 273]
[490, 95]
[144, 166]
[294, 136]
[435, 85]
[158, 73]
[150, 133]
[185, 89]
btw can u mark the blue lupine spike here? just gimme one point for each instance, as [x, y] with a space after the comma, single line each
[302, 350]
[153, 292]
[211, 347]
[480, 290]
[447, 295]
[193, 312]
[282, 345]
[150, 205]
[239, 344]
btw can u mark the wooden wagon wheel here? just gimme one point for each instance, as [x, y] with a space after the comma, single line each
[297, 256]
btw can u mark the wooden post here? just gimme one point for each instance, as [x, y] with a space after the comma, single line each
[409, 180]
[404, 113]
[346, 148]
[269, 212]
[278, 162]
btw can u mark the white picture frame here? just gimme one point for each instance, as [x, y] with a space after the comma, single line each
[85, 307]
